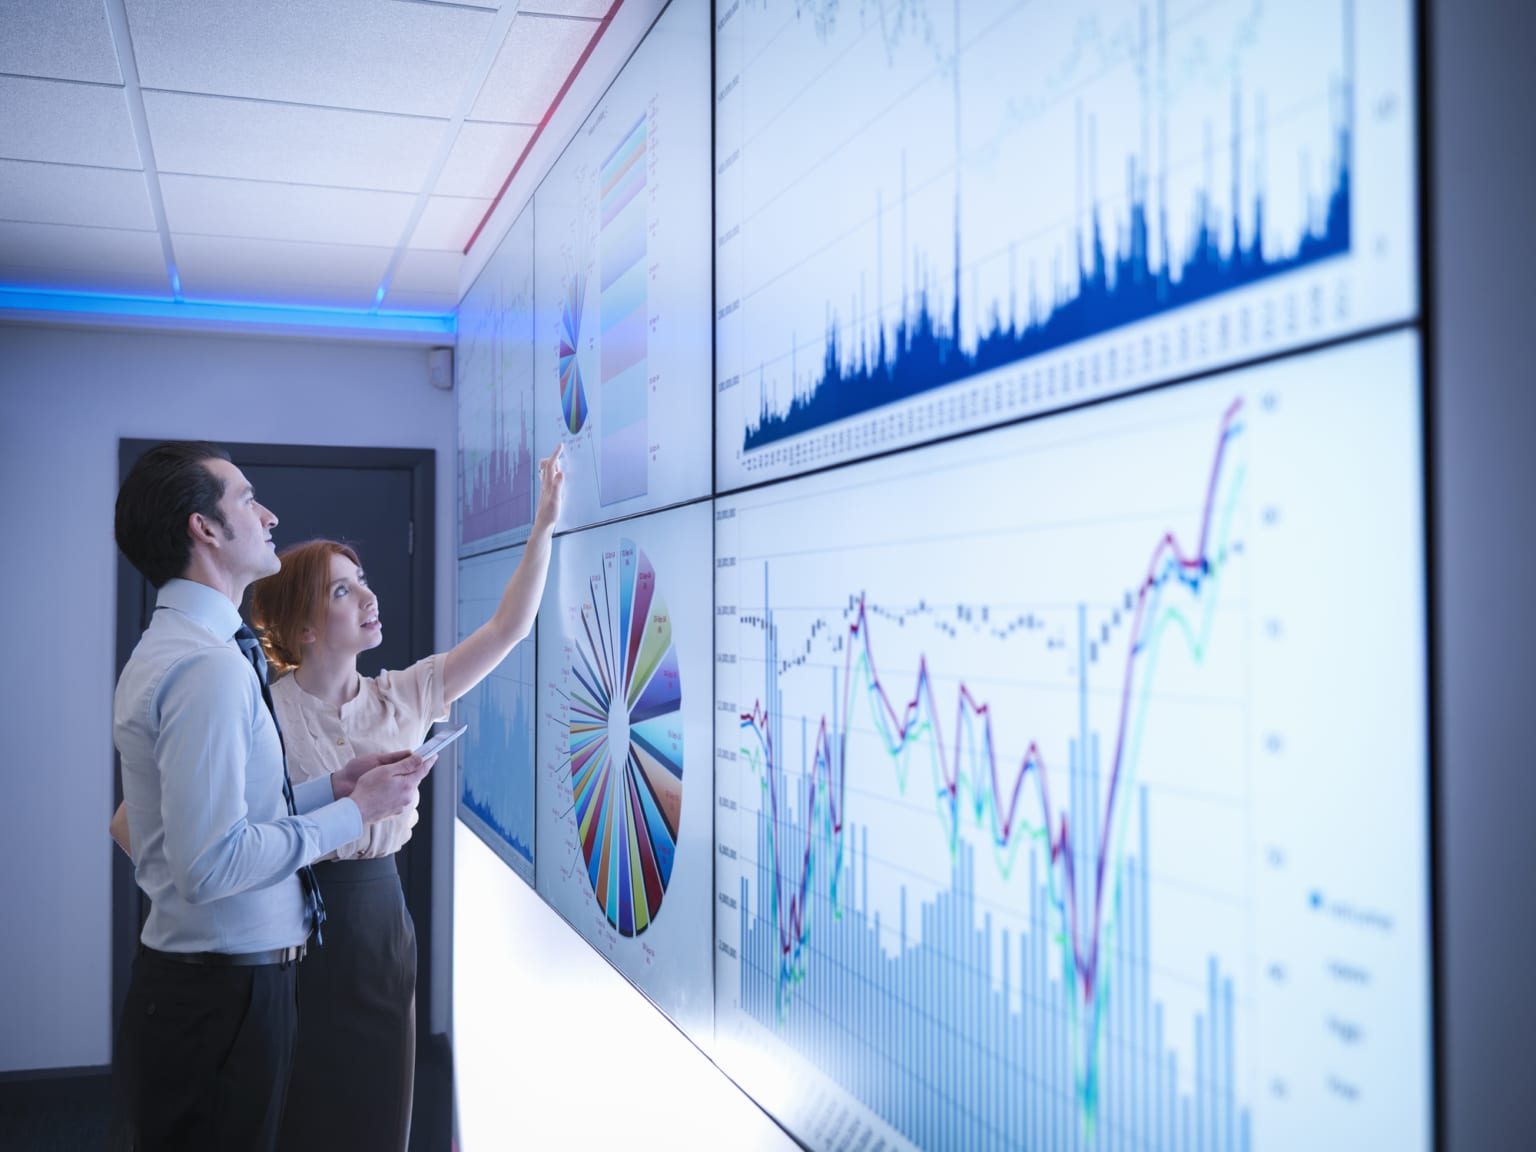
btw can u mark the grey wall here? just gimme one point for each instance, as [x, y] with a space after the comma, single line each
[1484, 421]
[66, 396]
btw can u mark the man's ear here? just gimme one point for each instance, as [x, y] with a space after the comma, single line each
[201, 529]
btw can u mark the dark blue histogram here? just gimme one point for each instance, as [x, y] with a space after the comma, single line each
[1125, 273]
[496, 766]
[496, 782]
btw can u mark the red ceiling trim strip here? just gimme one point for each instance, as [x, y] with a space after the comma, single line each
[539, 129]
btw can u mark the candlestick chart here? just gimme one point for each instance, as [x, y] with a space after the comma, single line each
[1015, 843]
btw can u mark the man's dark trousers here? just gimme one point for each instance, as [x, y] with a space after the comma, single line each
[203, 1056]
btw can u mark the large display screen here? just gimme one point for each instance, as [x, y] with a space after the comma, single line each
[1073, 777]
[988, 708]
[622, 285]
[626, 786]
[496, 793]
[494, 369]
[930, 217]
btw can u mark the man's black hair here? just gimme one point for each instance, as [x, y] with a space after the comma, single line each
[163, 488]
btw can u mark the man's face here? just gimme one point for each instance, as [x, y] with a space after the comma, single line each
[245, 549]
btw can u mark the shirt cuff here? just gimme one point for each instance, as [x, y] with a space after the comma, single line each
[311, 794]
[339, 823]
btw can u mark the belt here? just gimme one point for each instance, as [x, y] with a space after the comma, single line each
[284, 956]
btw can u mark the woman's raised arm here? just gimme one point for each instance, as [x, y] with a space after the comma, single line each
[471, 659]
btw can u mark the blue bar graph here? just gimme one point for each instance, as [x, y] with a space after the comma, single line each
[496, 784]
[963, 1068]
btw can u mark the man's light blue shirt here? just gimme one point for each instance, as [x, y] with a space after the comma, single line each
[213, 845]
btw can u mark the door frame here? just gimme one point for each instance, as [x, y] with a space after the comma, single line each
[421, 463]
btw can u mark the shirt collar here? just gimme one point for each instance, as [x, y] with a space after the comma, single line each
[205, 605]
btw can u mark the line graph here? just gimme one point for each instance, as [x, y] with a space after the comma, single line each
[1079, 893]
[989, 796]
[976, 792]
[1144, 192]
[495, 389]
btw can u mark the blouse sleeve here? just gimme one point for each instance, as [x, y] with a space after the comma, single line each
[417, 693]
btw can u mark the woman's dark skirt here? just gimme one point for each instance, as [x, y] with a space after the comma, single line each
[354, 1067]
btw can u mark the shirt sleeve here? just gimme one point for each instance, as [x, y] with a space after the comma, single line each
[206, 706]
[417, 694]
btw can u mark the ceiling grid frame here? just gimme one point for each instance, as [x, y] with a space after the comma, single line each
[49, 275]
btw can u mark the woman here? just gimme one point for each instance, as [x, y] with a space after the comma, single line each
[353, 1069]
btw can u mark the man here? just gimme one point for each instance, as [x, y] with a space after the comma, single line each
[206, 1040]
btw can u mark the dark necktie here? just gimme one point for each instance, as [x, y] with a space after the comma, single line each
[251, 647]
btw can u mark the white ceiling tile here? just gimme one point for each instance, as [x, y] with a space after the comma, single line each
[214, 206]
[279, 272]
[424, 282]
[72, 258]
[536, 57]
[447, 222]
[589, 8]
[68, 194]
[66, 123]
[65, 39]
[423, 270]
[215, 136]
[396, 57]
[482, 158]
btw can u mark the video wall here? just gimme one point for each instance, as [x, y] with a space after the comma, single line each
[980, 694]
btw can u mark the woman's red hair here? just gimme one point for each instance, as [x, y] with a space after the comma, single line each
[290, 600]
